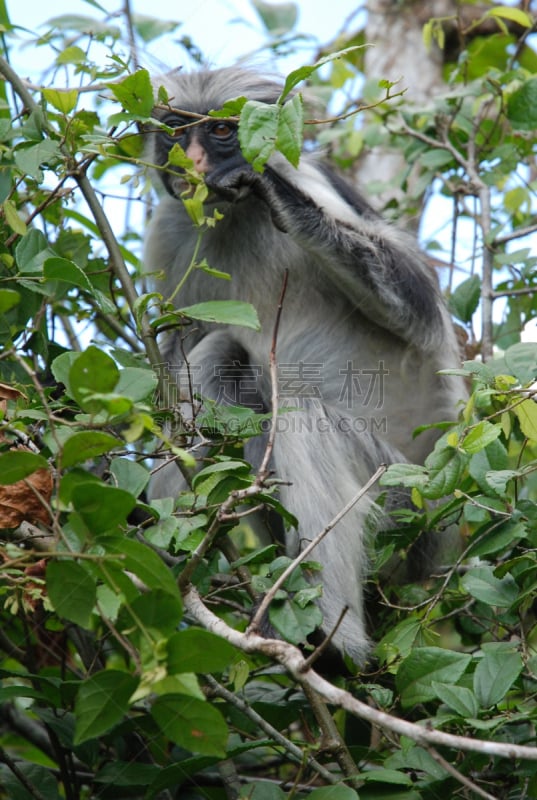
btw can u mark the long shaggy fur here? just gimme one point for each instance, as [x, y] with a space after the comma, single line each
[363, 314]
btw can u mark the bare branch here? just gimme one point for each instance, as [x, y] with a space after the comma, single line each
[292, 659]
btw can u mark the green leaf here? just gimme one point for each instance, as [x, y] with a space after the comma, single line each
[31, 251]
[409, 475]
[30, 160]
[85, 445]
[71, 590]
[526, 413]
[129, 475]
[513, 14]
[291, 130]
[156, 610]
[102, 507]
[9, 298]
[383, 775]
[335, 792]
[464, 301]
[18, 464]
[480, 436]
[522, 106]
[258, 131]
[482, 584]
[61, 269]
[278, 18]
[293, 622]
[135, 93]
[495, 674]
[191, 723]
[459, 698]
[136, 383]
[102, 702]
[196, 650]
[225, 312]
[140, 559]
[63, 100]
[445, 466]
[425, 666]
[15, 222]
[92, 372]
[486, 463]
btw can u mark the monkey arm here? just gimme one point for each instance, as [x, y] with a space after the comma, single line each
[378, 267]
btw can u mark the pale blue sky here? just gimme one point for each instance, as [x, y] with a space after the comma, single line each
[213, 25]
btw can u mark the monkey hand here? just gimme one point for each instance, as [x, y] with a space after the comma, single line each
[235, 182]
[232, 180]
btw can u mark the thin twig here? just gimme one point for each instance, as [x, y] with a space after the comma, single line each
[262, 610]
[294, 751]
[458, 775]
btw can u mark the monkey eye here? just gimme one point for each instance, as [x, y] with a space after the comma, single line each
[222, 130]
[178, 125]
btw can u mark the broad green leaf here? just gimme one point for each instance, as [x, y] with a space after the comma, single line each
[464, 300]
[225, 312]
[143, 562]
[135, 93]
[197, 650]
[156, 610]
[32, 251]
[63, 100]
[136, 383]
[9, 298]
[459, 698]
[335, 792]
[18, 464]
[228, 465]
[80, 447]
[102, 702]
[425, 666]
[445, 466]
[192, 724]
[258, 131]
[526, 413]
[15, 222]
[486, 462]
[482, 584]
[384, 775]
[30, 160]
[500, 538]
[521, 361]
[522, 106]
[129, 475]
[480, 436]
[102, 507]
[291, 130]
[495, 674]
[127, 773]
[293, 622]
[513, 14]
[409, 475]
[71, 590]
[278, 18]
[92, 372]
[61, 269]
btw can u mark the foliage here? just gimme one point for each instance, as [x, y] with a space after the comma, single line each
[127, 666]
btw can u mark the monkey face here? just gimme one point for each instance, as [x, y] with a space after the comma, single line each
[210, 145]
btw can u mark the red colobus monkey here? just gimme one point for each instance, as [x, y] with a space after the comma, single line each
[363, 333]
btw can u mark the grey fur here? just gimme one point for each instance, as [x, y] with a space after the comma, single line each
[360, 301]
